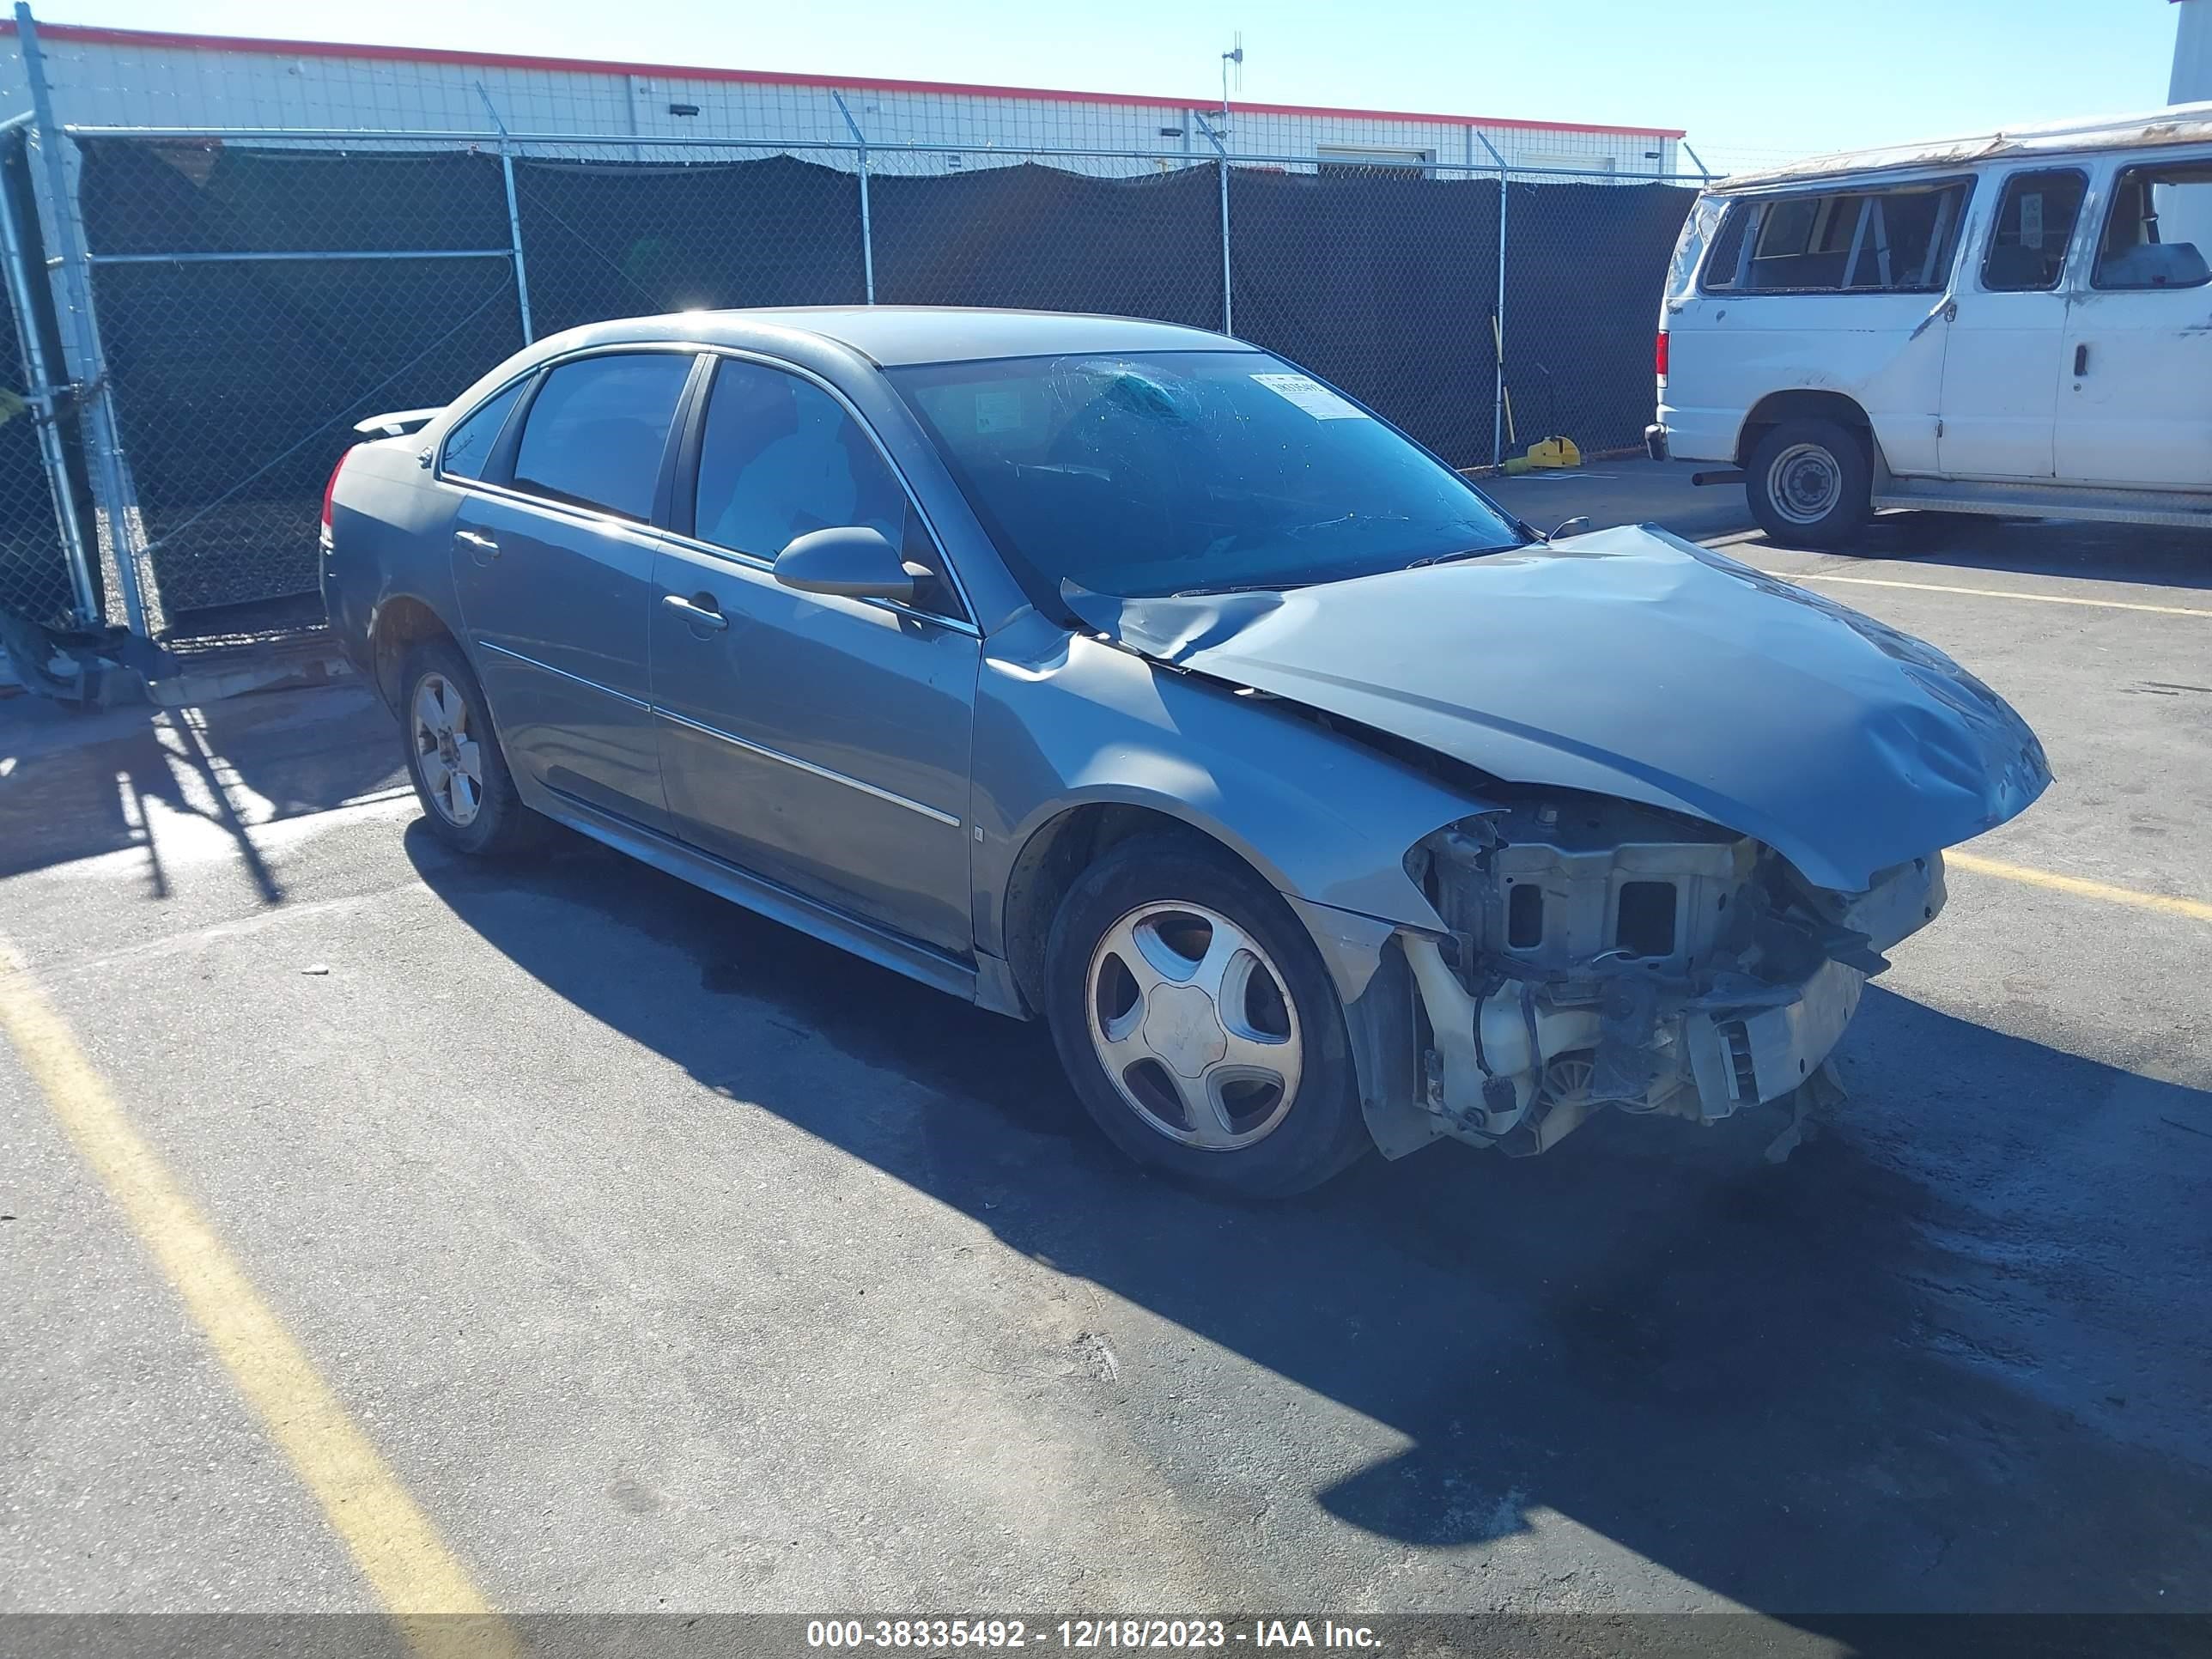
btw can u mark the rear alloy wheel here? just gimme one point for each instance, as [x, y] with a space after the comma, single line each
[1810, 483]
[1203, 1033]
[453, 756]
[448, 751]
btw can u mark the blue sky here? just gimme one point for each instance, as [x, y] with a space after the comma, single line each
[1751, 80]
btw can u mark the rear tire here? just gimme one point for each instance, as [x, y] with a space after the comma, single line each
[1810, 483]
[453, 757]
[1198, 1024]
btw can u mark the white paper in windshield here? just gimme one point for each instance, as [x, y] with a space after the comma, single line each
[998, 411]
[1310, 395]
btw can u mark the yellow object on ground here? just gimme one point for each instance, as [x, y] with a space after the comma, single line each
[1554, 451]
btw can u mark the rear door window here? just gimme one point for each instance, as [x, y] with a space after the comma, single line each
[2157, 228]
[596, 430]
[2034, 228]
[469, 444]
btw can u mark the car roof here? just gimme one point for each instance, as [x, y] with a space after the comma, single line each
[892, 335]
[2177, 123]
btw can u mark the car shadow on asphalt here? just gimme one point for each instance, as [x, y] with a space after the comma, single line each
[2148, 554]
[1771, 1380]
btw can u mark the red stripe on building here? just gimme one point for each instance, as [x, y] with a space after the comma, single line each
[158, 38]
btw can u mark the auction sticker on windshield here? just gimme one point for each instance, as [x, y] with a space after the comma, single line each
[1310, 395]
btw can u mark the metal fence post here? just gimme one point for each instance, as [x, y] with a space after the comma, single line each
[1221, 161]
[868, 226]
[1498, 317]
[514, 216]
[31, 337]
[122, 529]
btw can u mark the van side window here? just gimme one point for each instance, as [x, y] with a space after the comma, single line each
[1895, 241]
[2156, 230]
[2034, 228]
[1724, 265]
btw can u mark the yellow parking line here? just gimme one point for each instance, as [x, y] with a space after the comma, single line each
[2196, 909]
[2003, 593]
[419, 1581]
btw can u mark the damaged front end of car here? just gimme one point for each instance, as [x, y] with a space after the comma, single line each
[1702, 802]
[1599, 952]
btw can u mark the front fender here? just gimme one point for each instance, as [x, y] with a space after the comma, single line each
[1063, 722]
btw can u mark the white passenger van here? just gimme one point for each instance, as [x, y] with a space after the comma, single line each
[2018, 324]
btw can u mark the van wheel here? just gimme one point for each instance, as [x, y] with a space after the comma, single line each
[1810, 483]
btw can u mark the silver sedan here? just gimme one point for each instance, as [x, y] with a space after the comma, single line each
[1125, 676]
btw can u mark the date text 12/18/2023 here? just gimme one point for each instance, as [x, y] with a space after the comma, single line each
[1087, 1635]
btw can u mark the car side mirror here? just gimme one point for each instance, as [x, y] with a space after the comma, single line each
[1578, 526]
[854, 562]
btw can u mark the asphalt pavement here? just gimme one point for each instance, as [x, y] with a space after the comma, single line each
[670, 1262]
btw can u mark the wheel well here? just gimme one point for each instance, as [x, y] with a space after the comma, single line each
[1048, 865]
[1801, 406]
[399, 624]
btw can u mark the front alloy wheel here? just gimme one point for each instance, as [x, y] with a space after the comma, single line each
[1192, 1027]
[1203, 1034]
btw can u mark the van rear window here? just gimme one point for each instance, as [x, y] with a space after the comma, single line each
[1897, 241]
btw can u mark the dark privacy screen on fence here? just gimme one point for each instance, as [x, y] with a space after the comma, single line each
[34, 579]
[238, 381]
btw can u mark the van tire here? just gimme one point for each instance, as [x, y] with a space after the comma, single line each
[1810, 483]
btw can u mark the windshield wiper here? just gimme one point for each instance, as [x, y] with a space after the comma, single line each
[1236, 587]
[1464, 553]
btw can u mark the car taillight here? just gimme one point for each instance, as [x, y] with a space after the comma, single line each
[1659, 355]
[330, 489]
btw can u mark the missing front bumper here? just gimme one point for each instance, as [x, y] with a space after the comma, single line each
[1511, 1069]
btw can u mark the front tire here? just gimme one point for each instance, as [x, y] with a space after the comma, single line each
[1810, 483]
[453, 757]
[1198, 1024]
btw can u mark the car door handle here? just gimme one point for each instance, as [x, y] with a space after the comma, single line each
[2081, 359]
[699, 610]
[476, 543]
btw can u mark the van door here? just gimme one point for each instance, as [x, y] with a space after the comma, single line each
[2008, 332]
[2135, 404]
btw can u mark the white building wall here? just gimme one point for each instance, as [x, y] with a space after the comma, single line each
[107, 82]
[2192, 53]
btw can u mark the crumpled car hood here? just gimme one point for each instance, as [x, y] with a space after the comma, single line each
[1632, 663]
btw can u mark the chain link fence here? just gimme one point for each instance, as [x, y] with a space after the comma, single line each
[35, 580]
[259, 293]
[1584, 264]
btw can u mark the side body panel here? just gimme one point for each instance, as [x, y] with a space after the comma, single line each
[822, 742]
[391, 523]
[555, 601]
[1063, 721]
[1728, 353]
